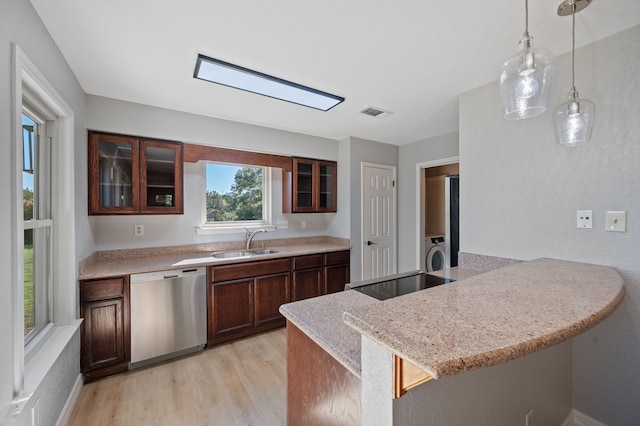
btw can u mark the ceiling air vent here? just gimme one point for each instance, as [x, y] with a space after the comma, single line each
[375, 112]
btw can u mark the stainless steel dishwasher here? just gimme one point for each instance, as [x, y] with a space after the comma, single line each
[168, 314]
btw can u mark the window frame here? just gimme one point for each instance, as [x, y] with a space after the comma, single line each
[236, 226]
[31, 363]
[41, 221]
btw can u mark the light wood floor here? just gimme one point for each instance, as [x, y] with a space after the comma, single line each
[238, 383]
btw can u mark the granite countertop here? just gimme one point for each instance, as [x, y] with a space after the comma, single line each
[320, 318]
[492, 317]
[112, 263]
[456, 273]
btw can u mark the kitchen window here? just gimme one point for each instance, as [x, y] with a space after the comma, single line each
[43, 263]
[37, 225]
[236, 196]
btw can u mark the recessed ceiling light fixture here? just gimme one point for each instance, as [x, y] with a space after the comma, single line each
[220, 72]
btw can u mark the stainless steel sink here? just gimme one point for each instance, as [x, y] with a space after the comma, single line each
[232, 254]
[242, 253]
[265, 251]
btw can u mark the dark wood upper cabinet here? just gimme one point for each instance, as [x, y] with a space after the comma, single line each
[129, 175]
[312, 187]
[327, 185]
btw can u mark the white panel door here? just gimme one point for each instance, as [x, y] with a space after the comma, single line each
[378, 221]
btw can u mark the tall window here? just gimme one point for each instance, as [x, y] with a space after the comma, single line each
[236, 194]
[37, 225]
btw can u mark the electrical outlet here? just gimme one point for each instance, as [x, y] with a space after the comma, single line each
[529, 418]
[303, 224]
[138, 230]
[584, 219]
[282, 224]
[616, 221]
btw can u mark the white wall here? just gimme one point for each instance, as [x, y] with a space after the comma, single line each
[111, 232]
[521, 191]
[436, 148]
[19, 23]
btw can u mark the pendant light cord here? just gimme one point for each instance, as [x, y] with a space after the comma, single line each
[573, 48]
[526, 17]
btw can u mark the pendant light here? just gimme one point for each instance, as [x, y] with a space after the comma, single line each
[525, 79]
[573, 120]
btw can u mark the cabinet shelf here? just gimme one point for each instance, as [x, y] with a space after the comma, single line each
[313, 187]
[118, 184]
[114, 157]
[160, 186]
[151, 160]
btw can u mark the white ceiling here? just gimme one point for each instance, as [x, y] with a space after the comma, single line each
[412, 57]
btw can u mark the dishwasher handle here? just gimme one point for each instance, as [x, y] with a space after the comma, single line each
[167, 275]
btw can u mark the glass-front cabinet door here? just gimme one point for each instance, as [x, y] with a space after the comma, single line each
[315, 185]
[304, 183]
[161, 177]
[128, 175]
[327, 181]
[113, 171]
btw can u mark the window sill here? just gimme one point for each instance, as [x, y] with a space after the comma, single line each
[41, 358]
[231, 229]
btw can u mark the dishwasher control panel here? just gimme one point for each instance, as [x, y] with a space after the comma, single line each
[165, 275]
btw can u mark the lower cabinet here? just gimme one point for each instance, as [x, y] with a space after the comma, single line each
[233, 303]
[308, 276]
[318, 274]
[336, 271]
[271, 292]
[105, 331]
[244, 298]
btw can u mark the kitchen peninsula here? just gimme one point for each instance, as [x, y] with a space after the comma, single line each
[508, 325]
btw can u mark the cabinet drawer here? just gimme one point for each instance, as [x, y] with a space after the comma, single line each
[249, 269]
[337, 258]
[306, 262]
[101, 289]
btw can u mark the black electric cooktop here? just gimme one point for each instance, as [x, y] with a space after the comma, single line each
[398, 285]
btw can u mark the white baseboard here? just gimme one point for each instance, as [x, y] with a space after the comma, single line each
[67, 410]
[576, 418]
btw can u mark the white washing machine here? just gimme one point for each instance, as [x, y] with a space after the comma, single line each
[434, 259]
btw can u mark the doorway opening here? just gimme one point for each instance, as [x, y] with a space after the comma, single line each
[437, 238]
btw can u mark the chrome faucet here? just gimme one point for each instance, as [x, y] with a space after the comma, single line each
[249, 235]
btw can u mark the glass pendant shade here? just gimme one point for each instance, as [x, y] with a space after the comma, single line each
[573, 120]
[525, 82]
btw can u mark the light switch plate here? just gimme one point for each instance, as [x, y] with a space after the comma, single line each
[584, 219]
[615, 221]
[282, 224]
